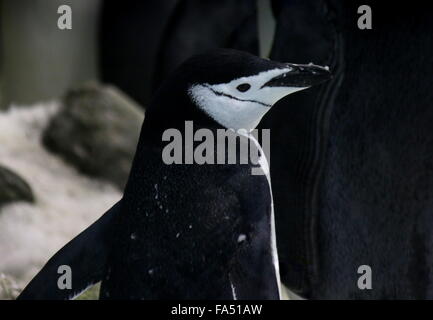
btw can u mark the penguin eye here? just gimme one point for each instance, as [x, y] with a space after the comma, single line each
[243, 87]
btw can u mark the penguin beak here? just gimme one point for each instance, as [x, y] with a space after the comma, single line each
[300, 76]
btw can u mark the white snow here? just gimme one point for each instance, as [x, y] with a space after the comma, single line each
[66, 201]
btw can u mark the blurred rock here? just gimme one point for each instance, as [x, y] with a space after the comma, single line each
[13, 188]
[97, 131]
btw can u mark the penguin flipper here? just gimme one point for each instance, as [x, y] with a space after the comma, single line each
[86, 255]
[254, 275]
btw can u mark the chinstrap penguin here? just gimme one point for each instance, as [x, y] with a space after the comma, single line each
[189, 231]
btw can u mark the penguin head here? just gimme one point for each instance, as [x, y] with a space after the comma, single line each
[235, 89]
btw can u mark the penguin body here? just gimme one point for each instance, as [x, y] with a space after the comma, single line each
[196, 232]
[190, 231]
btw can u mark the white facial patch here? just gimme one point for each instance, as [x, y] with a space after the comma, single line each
[235, 109]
